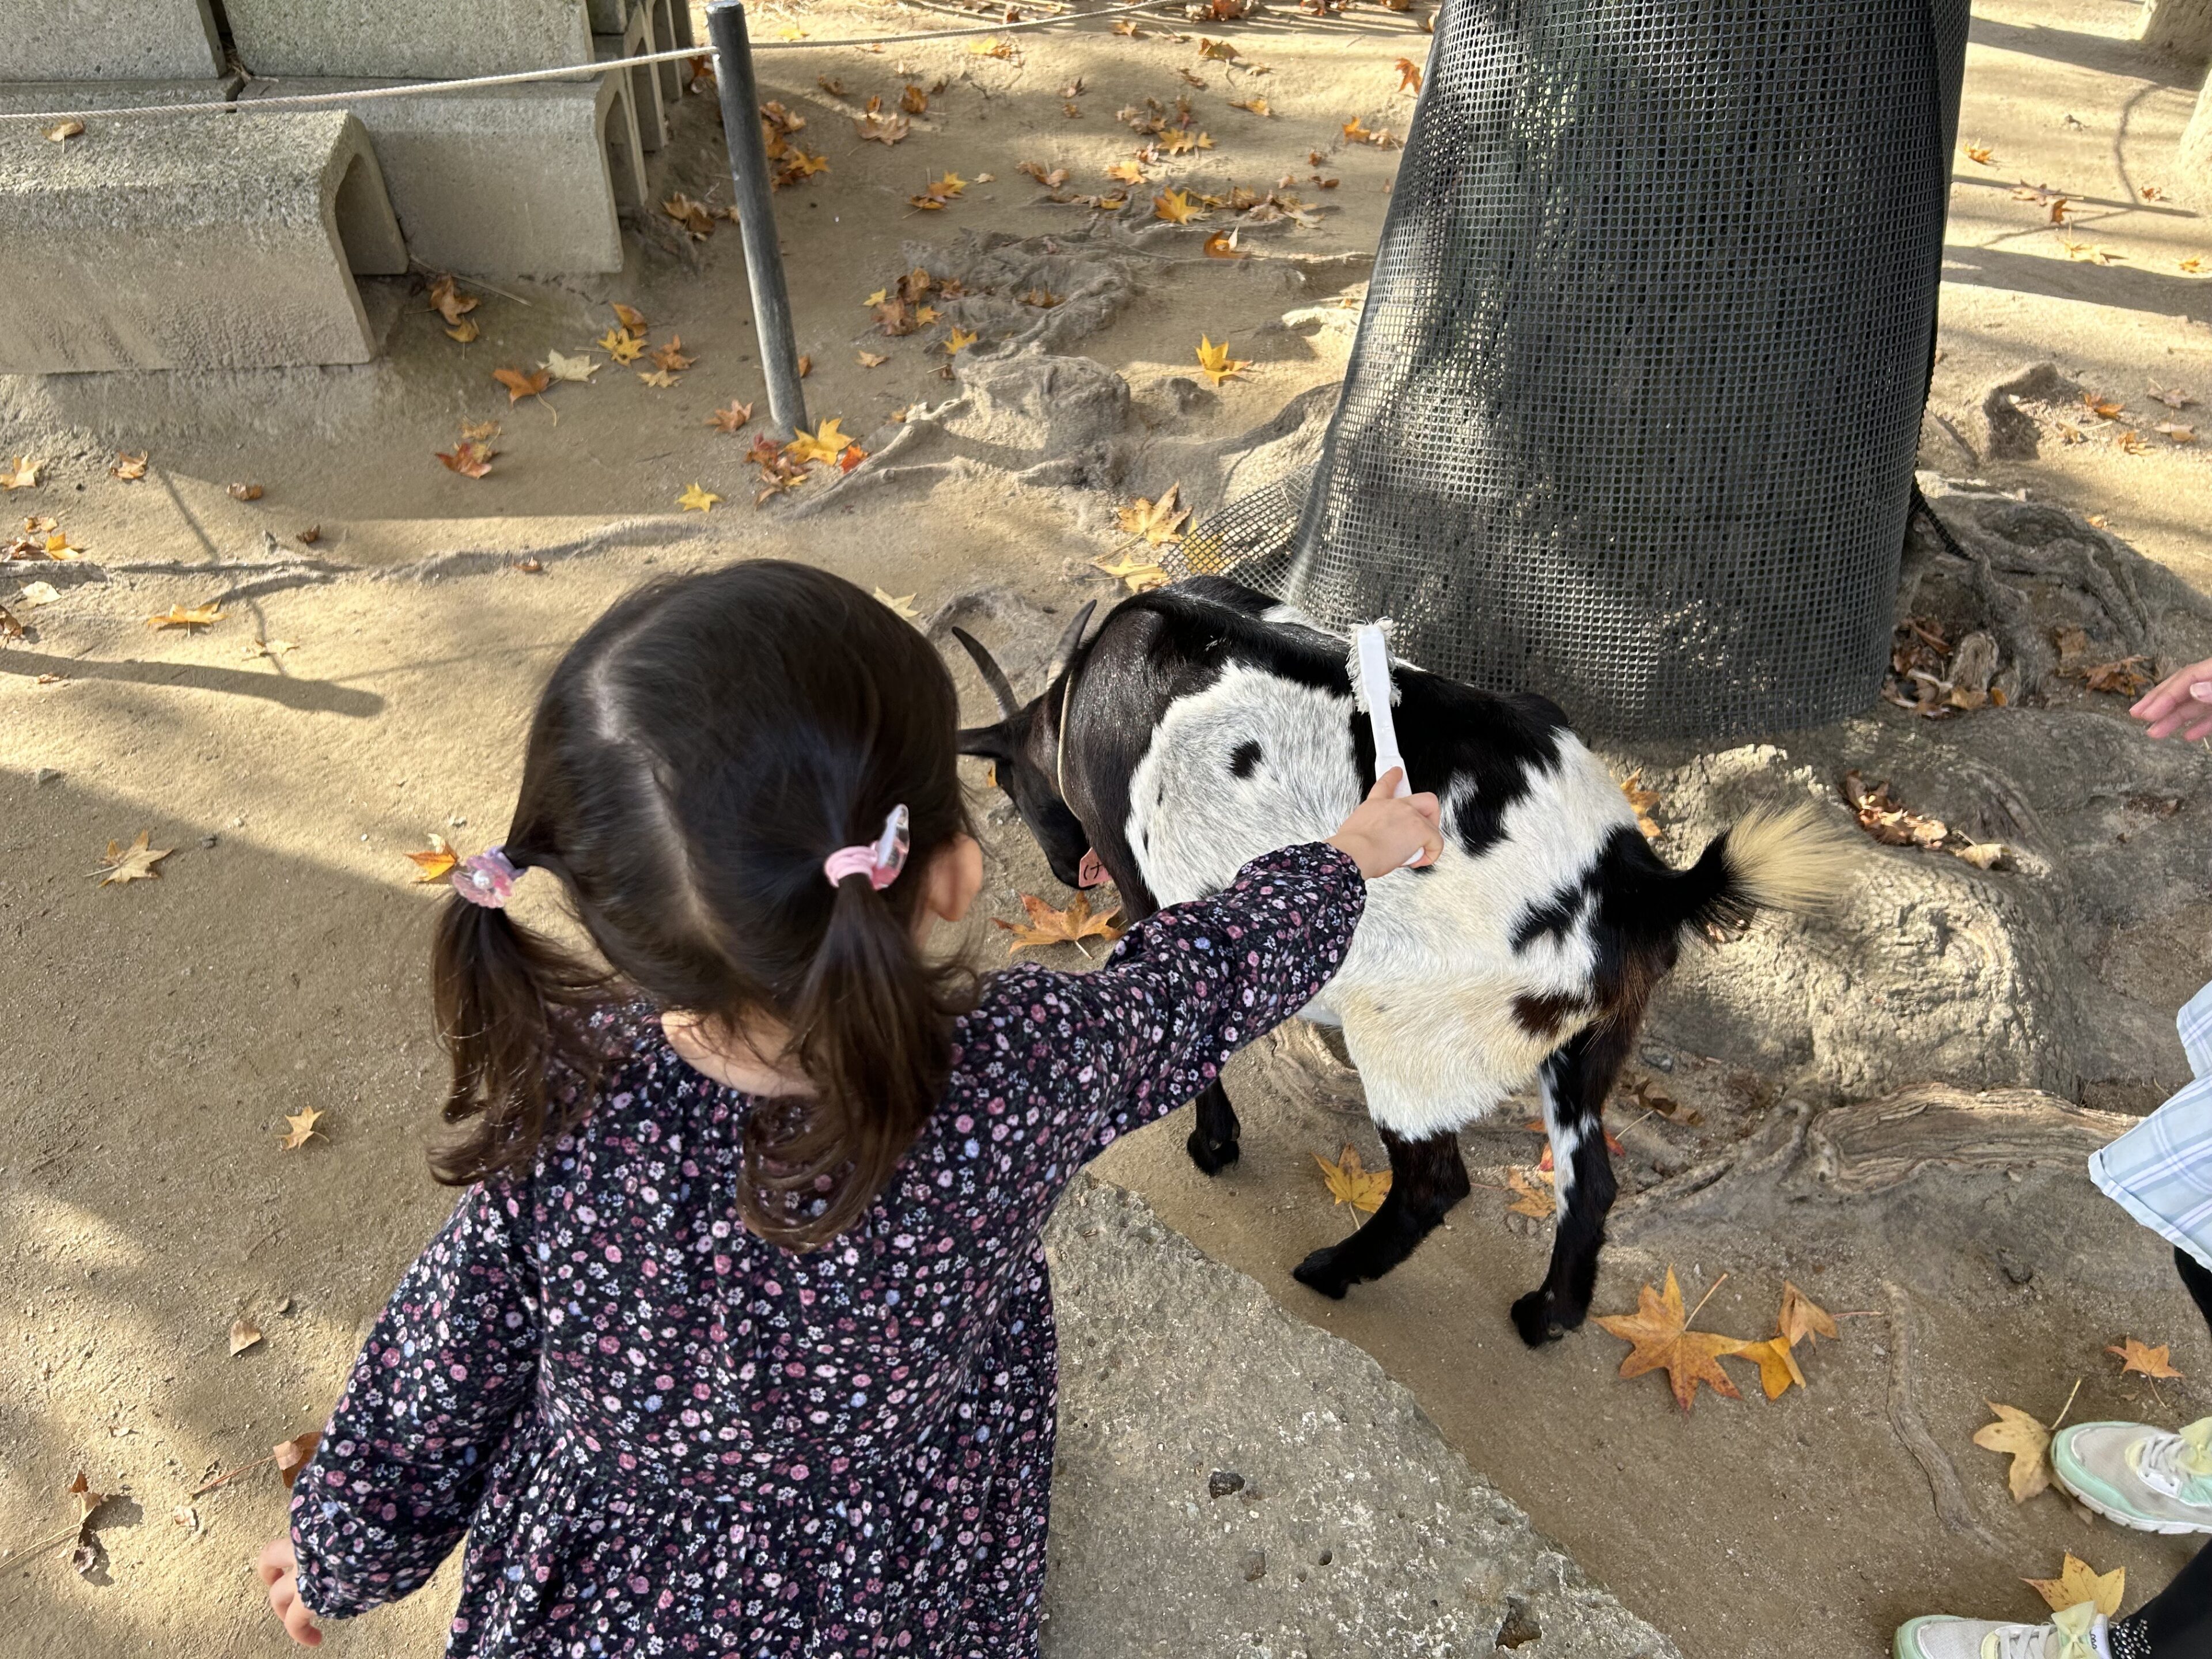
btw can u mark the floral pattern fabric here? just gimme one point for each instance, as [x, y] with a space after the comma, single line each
[666, 1436]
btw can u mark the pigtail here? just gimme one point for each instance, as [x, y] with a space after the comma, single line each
[510, 1008]
[872, 1029]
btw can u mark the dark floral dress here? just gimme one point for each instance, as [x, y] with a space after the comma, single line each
[667, 1436]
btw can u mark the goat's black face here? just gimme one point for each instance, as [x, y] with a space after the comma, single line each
[1024, 749]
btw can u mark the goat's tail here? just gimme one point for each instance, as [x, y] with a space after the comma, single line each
[1773, 858]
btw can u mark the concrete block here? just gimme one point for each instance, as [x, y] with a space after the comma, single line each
[197, 241]
[608, 17]
[406, 40]
[687, 26]
[636, 39]
[82, 97]
[663, 13]
[107, 40]
[499, 180]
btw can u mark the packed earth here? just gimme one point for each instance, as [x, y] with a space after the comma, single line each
[268, 640]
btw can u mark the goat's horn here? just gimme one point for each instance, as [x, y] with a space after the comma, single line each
[1065, 649]
[994, 675]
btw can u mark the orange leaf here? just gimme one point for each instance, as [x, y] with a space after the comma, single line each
[520, 385]
[1349, 1182]
[2137, 1357]
[1047, 926]
[1661, 1340]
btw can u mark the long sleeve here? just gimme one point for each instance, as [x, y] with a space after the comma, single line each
[403, 1460]
[1186, 988]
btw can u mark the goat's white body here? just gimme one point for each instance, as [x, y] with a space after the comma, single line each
[1426, 994]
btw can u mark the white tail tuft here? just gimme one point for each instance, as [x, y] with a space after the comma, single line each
[1791, 858]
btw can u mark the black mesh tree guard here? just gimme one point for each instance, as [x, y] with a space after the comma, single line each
[1632, 413]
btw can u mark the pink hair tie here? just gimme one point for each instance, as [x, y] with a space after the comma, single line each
[881, 863]
[488, 879]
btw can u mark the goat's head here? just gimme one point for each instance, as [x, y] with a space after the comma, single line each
[1024, 749]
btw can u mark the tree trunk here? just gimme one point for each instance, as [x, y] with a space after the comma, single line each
[2196, 154]
[2182, 28]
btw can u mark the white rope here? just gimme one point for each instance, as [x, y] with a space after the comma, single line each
[426, 89]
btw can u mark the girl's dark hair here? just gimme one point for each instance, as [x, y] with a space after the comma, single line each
[693, 759]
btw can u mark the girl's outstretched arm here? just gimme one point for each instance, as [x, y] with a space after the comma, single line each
[404, 1461]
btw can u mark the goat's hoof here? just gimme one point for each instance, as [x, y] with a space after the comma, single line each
[1320, 1271]
[1532, 1317]
[1212, 1157]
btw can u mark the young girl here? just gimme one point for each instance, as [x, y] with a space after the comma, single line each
[740, 1341]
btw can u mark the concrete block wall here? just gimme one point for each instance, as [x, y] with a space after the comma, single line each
[407, 39]
[107, 40]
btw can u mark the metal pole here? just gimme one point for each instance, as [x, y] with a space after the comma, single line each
[779, 350]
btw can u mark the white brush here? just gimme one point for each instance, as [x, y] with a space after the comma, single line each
[1374, 658]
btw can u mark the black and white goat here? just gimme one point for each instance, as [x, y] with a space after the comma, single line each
[1204, 724]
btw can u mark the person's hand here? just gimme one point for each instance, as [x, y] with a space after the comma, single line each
[1385, 833]
[2181, 699]
[280, 1570]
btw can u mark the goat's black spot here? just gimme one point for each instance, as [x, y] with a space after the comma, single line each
[1556, 916]
[1245, 760]
[1541, 1016]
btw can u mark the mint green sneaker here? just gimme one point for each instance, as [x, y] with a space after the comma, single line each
[2151, 1480]
[2072, 1634]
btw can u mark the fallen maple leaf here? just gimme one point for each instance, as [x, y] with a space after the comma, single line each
[37, 594]
[1215, 362]
[958, 341]
[292, 1455]
[475, 432]
[1641, 801]
[873, 360]
[1980, 155]
[21, 475]
[1537, 1202]
[520, 385]
[696, 500]
[128, 466]
[1158, 522]
[464, 331]
[2180, 434]
[1349, 1182]
[2078, 1582]
[1221, 50]
[622, 348]
[436, 863]
[271, 649]
[136, 862]
[1885, 817]
[825, 443]
[659, 377]
[1047, 926]
[579, 368]
[2101, 406]
[900, 605]
[2191, 266]
[670, 356]
[694, 216]
[1409, 75]
[1802, 1319]
[244, 492]
[730, 419]
[62, 129]
[303, 1128]
[1660, 1340]
[1251, 106]
[1140, 573]
[244, 1334]
[1177, 207]
[197, 616]
[915, 102]
[1126, 172]
[470, 460]
[87, 1500]
[631, 318]
[990, 46]
[1221, 244]
[807, 364]
[2137, 1357]
[2027, 1442]
[1777, 1367]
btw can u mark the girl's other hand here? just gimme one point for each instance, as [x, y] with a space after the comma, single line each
[280, 1570]
[1385, 833]
[2181, 699]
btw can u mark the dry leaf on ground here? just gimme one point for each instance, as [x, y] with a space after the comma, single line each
[1349, 1182]
[1802, 1319]
[470, 460]
[1140, 573]
[1215, 362]
[659, 377]
[436, 863]
[579, 368]
[1641, 801]
[520, 385]
[449, 301]
[303, 1128]
[670, 356]
[1887, 819]
[2142, 1358]
[1047, 926]
[291, 1455]
[1158, 522]
[825, 443]
[1658, 1331]
[1409, 75]
[901, 604]
[696, 500]
[624, 348]
[1221, 244]
[2079, 1581]
[1777, 1367]
[21, 474]
[244, 1334]
[188, 615]
[1177, 207]
[2027, 1442]
[244, 492]
[1530, 1200]
[128, 466]
[730, 419]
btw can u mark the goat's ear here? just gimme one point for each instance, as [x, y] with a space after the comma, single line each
[990, 742]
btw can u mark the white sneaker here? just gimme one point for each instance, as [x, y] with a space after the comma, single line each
[2077, 1633]
[2148, 1479]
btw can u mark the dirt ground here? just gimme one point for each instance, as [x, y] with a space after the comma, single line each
[160, 1033]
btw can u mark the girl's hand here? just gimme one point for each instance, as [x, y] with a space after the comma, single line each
[280, 1570]
[2181, 699]
[1385, 834]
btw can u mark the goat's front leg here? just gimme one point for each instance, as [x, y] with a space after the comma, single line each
[1575, 1081]
[1428, 1177]
[1213, 1143]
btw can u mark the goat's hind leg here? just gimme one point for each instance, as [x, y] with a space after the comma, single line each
[1428, 1177]
[1576, 1080]
[1213, 1143]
